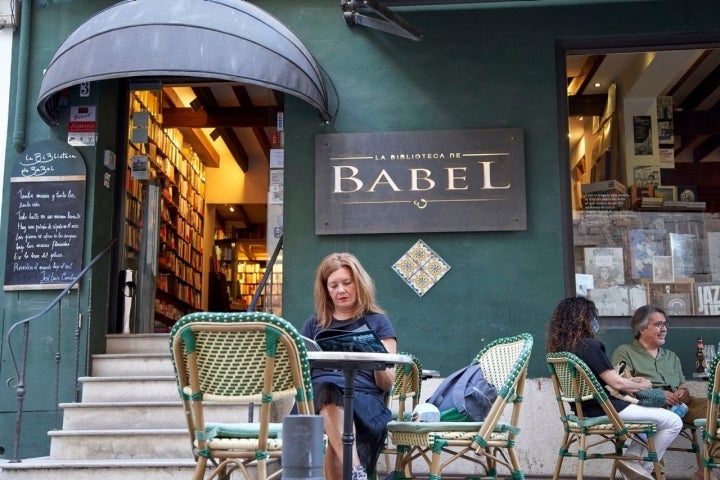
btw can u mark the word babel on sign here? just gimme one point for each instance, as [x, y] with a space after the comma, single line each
[707, 297]
[420, 181]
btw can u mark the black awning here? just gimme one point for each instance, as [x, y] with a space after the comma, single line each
[229, 40]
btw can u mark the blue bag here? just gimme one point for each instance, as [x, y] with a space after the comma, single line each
[464, 396]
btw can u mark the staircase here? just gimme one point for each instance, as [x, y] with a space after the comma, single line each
[130, 424]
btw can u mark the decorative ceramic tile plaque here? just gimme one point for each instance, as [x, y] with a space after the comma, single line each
[421, 268]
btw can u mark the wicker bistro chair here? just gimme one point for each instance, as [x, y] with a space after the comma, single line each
[488, 443]
[575, 384]
[237, 358]
[711, 423]
[404, 396]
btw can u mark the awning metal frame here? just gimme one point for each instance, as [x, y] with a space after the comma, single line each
[223, 40]
[385, 20]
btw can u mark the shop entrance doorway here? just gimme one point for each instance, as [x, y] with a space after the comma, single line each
[197, 182]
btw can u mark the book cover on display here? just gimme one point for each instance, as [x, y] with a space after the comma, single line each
[713, 247]
[677, 303]
[637, 297]
[644, 245]
[683, 248]
[612, 301]
[707, 298]
[606, 266]
[663, 269]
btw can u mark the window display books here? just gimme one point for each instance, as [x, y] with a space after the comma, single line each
[683, 247]
[637, 297]
[583, 283]
[644, 245]
[663, 269]
[606, 265]
[713, 245]
[612, 301]
[707, 298]
[677, 303]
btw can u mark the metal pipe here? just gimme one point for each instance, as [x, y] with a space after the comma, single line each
[22, 76]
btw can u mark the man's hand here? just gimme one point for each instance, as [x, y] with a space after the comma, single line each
[683, 394]
[672, 398]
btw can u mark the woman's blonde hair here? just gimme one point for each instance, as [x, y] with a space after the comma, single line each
[364, 286]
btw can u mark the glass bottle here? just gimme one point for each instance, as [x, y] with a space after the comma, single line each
[700, 356]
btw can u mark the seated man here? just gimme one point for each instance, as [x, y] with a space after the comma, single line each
[646, 358]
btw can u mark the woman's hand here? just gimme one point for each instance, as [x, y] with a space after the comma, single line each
[628, 385]
[384, 379]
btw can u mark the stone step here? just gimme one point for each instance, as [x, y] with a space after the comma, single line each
[142, 415]
[46, 468]
[120, 444]
[131, 364]
[138, 343]
[124, 389]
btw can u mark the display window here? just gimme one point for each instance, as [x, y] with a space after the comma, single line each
[645, 180]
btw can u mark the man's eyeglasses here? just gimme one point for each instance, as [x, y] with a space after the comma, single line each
[661, 325]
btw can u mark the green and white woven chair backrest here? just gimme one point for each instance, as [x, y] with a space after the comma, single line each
[503, 359]
[713, 376]
[231, 354]
[570, 367]
[713, 397]
[406, 387]
[407, 379]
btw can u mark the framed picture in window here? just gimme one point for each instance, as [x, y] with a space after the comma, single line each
[663, 269]
[668, 194]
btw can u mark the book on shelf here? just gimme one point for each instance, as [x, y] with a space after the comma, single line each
[638, 192]
[603, 186]
[682, 205]
[651, 203]
[644, 245]
[606, 266]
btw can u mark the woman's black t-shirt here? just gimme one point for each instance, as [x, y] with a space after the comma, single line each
[592, 352]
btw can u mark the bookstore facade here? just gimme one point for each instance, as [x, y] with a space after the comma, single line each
[156, 189]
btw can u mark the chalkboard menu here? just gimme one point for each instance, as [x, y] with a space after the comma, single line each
[46, 226]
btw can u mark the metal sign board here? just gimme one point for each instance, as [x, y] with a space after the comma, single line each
[420, 181]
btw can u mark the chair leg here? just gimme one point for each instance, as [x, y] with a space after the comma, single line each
[561, 455]
[200, 468]
[581, 457]
[401, 452]
[435, 465]
[517, 473]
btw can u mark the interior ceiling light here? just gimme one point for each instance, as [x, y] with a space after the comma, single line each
[597, 84]
[232, 209]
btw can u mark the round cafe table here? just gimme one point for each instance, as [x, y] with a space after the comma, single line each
[350, 363]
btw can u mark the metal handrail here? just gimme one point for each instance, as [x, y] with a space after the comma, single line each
[18, 382]
[268, 271]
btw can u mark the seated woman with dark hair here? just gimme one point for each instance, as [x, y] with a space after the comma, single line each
[572, 328]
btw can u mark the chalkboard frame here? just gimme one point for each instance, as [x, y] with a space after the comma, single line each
[46, 227]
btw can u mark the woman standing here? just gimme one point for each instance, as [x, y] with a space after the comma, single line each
[572, 328]
[345, 300]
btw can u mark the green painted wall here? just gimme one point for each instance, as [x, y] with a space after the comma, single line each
[60, 342]
[476, 67]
